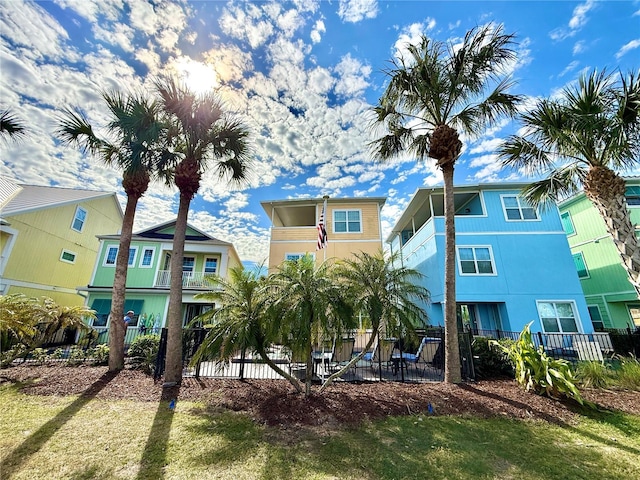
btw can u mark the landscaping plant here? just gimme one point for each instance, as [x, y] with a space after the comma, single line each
[593, 374]
[537, 371]
[143, 352]
[490, 362]
[629, 373]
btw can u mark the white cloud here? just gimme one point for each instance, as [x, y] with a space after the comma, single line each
[579, 47]
[578, 20]
[569, 68]
[486, 146]
[411, 35]
[318, 30]
[632, 45]
[357, 10]
[353, 76]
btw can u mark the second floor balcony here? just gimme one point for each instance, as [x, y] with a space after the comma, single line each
[197, 280]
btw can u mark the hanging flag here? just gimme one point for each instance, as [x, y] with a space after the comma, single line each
[322, 232]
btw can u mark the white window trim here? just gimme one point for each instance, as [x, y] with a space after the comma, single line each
[204, 265]
[75, 215]
[153, 256]
[572, 224]
[106, 256]
[299, 254]
[493, 263]
[520, 201]
[62, 259]
[575, 312]
[585, 265]
[135, 256]
[333, 217]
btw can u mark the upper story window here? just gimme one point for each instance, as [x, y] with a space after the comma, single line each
[567, 223]
[132, 256]
[558, 317]
[68, 257]
[112, 255]
[147, 257]
[596, 317]
[210, 265]
[475, 261]
[632, 195]
[298, 256]
[188, 265]
[79, 219]
[515, 208]
[581, 266]
[347, 221]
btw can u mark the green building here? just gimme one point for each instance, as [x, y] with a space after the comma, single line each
[611, 299]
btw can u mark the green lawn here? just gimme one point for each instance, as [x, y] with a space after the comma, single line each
[77, 438]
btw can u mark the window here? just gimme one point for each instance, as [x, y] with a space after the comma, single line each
[297, 256]
[110, 258]
[633, 196]
[567, 223]
[188, 264]
[475, 261]
[581, 266]
[558, 317]
[68, 257]
[132, 256]
[634, 312]
[346, 221]
[210, 265]
[596, 318]
[516, 208]
[147, 257]
[79, 218]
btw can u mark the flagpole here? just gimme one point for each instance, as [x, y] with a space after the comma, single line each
[324, 209]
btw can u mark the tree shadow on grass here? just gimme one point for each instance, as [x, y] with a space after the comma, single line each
[154, 456]
[36, 440]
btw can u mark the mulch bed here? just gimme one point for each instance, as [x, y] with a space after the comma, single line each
[275, 402]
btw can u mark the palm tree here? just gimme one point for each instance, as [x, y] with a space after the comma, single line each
[201, 133]
[390, 296]
[135, 147]
[439, 91]
[241, 321]
[11, 127]
[581, 139]
[309, 305]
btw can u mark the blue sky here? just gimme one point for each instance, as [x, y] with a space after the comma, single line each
[303, 75]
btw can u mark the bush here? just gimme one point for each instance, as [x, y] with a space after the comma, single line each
[76, 356]
[39, 355]
[143, 352]
[491, 362]
[536, 371]
[629, 374]
[100, 354]
[593, 374]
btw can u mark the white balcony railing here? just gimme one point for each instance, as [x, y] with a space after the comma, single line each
[189, 279]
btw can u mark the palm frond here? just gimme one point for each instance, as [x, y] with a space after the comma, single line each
[11, 126]
[561, 184]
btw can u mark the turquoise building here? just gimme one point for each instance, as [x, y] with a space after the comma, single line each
[514, 265]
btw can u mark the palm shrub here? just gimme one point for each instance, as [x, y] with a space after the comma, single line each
[491, 362]
[537, 371]
[143, 352]
[593, 374]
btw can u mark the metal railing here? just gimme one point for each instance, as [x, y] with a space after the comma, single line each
[189, 279]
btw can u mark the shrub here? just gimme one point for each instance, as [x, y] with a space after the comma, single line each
[100, 354]
[593, 374]
[39, 355]
[629, 373]
[536, 371]
[76, 356]
[143, 352]
[489, 361]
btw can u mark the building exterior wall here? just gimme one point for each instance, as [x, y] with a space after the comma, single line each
[531, 263]
[605, 283]
[35, 266]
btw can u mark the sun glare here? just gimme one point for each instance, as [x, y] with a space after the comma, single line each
[199, 77]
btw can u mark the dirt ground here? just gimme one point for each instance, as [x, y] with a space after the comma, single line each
[275, 402]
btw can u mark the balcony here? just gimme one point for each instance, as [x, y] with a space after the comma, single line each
[195, 280]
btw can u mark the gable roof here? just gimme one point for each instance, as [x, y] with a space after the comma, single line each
[165, 231]
[36, 197]
[8, 190]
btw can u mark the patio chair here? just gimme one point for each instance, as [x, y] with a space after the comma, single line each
[342, 353]
[381, 354]
[425, 354]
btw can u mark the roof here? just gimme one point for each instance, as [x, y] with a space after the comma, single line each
[579, 194]
[35, 197]
[164, 231]
[8, 190]
[295, 202]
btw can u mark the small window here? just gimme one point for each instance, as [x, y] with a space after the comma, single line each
[147, 257]
[132, 256]
[596, 318]
[79, 219]
[581, 266]
[110, 258]
[475, 261]
[515, 209]
[632, 195]
[346, 221]
[68, 257]
[210, 265]
[567, 223]
[188, 264]
[297, 256]
[558, 317]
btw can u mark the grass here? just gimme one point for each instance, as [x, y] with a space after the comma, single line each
[82, 438]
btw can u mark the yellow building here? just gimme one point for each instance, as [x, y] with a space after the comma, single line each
[48, 238]
[352, 226]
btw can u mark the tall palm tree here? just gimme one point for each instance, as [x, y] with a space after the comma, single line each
[205, 136]
[582, 139]
[11, 127]
[309, 306]
[134, 146]
[390, 296]
[438, 92]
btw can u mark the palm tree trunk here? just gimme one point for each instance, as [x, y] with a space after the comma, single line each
[452, 370]
[117, 330]
[606, 190]
[173, 363]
